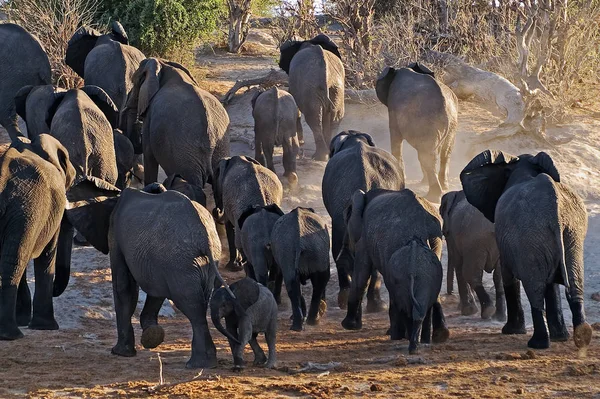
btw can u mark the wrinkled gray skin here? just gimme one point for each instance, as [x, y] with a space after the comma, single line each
[106, 61]
[239, 183]
[355, 164]
[33, 179]
[415, 272]
[256, 225]
[178, 183]
[300, 245]
[182, 268]
[184, 127]
[83, 121]
[23, 62]
[541, 225]
[256, 313]
[424, 112]
[125, 157]
[277, 122]
[472, 249]
[316, 80]
[381, 222]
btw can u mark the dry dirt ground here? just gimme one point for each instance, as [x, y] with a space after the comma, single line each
[477, 361]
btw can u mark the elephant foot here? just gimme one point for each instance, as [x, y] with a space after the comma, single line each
[153, 336]
[434, 196]
[270, 365]
[292, 179]
[562, 336]
[234, 266]
[123, 350]
[23, 319]
[539, 342]
[237, 368]
[10, 334]
[297, 327]
[196, 362]
[322, 308]
[413, 348]
[582, 335]
[41, 324]
[351, 324]
[318, 156]
[376, 306]
[514, 328]
[499, 316]
[468, 309]
[343, 298]
[487, 312]
[260, 360]
[440, 335]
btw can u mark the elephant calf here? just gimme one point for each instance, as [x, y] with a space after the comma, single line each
[255, 313]
[277, 122]
[300, 245]
[415, 273]
[472, 249]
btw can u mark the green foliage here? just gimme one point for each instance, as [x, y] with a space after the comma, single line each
[165, 28]
[264, 8]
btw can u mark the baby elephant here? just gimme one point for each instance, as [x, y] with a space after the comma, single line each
[472, 249]
[416, 274]
[256, 312]
[300, 245]
[277, 122]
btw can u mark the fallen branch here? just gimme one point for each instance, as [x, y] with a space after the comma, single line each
[275, 77]
[316, 367]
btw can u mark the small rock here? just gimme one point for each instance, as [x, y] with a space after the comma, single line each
[508, 356]
[596, 296]
[401, 362]
[519, 391]
[376, 388]
[596, 326]
[528, 355]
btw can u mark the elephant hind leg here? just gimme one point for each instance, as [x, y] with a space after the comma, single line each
[500, 314]
[445, 160]
[315, 122]
[318, 306]
[43, 308]
[428, 160]
[515, 322]
[152, 334]
[259, 354]
[125, 294]
[23, 302]
[374, 302]
[258, 152]
[8, 298]
[535, 293]
[554, 313]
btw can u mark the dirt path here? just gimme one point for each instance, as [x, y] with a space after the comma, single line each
[477, 361]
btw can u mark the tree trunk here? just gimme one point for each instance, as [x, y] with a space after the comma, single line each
[239, 16]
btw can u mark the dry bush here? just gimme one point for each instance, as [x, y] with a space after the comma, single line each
[54, 22]
[294, 20]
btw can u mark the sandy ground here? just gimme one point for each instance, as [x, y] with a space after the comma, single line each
[477, 361]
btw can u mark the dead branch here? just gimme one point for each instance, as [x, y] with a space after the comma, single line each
[275, 77]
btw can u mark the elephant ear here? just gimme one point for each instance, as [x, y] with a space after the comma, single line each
[484, 179]
[420, 68]
[81, 43]
[21, 101]
[326, 43]
[384, 81]
[104, 102]
[51, 111]
[449, 200]
[255, 97]
[154, 188]
[544, 162]
[250, 159]
[181, 68]
[91, 202]
[337, 142]
[274, 208]
[54, 152]
[247, 292]
[118, 33]
[147, 82]
[367, 137]
[287, 51]
[354, 216]
[218, 178]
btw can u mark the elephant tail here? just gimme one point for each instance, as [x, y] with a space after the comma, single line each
[215, 265]
[278, 138]
[562, 261]
[417, 308]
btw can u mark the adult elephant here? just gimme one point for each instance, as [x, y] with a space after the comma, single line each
[540, 225]
[185, 127]
[23, 61]
[34, 176]
[355, 164]
[424, 112]
[381, 222]
[316, 80]
[239, 184]
[106, 61]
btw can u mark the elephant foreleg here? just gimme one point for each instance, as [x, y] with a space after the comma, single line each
[43, 309]
[23, 302]
[125, 294]
[535, 291]
[192, 305]
[397, 322]
[12, 270]
[152, 334]
[150, 164]
[374, 302]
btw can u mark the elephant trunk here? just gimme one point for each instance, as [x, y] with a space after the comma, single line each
[132, 128]
[219, 215]
[215, 315]
[63, 258]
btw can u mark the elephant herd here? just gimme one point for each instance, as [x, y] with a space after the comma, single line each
[514, 217]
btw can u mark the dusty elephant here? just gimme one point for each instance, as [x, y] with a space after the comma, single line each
[423, 112]
[182, 269]
[277, 122]
[254, 311]
[472, 249]
[355, 163]
[23, 61]
[540, 225]
[316, 80]
[34, 176]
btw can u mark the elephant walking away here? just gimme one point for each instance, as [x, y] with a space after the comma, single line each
[256, 312]
[277, 122]
[316, 80]
[355, 163]
[23, 61]
[240, 183]
[424, 112]
[540, 225]
[472, 249]
[182, 268]
[34, 176]
[300, 245]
